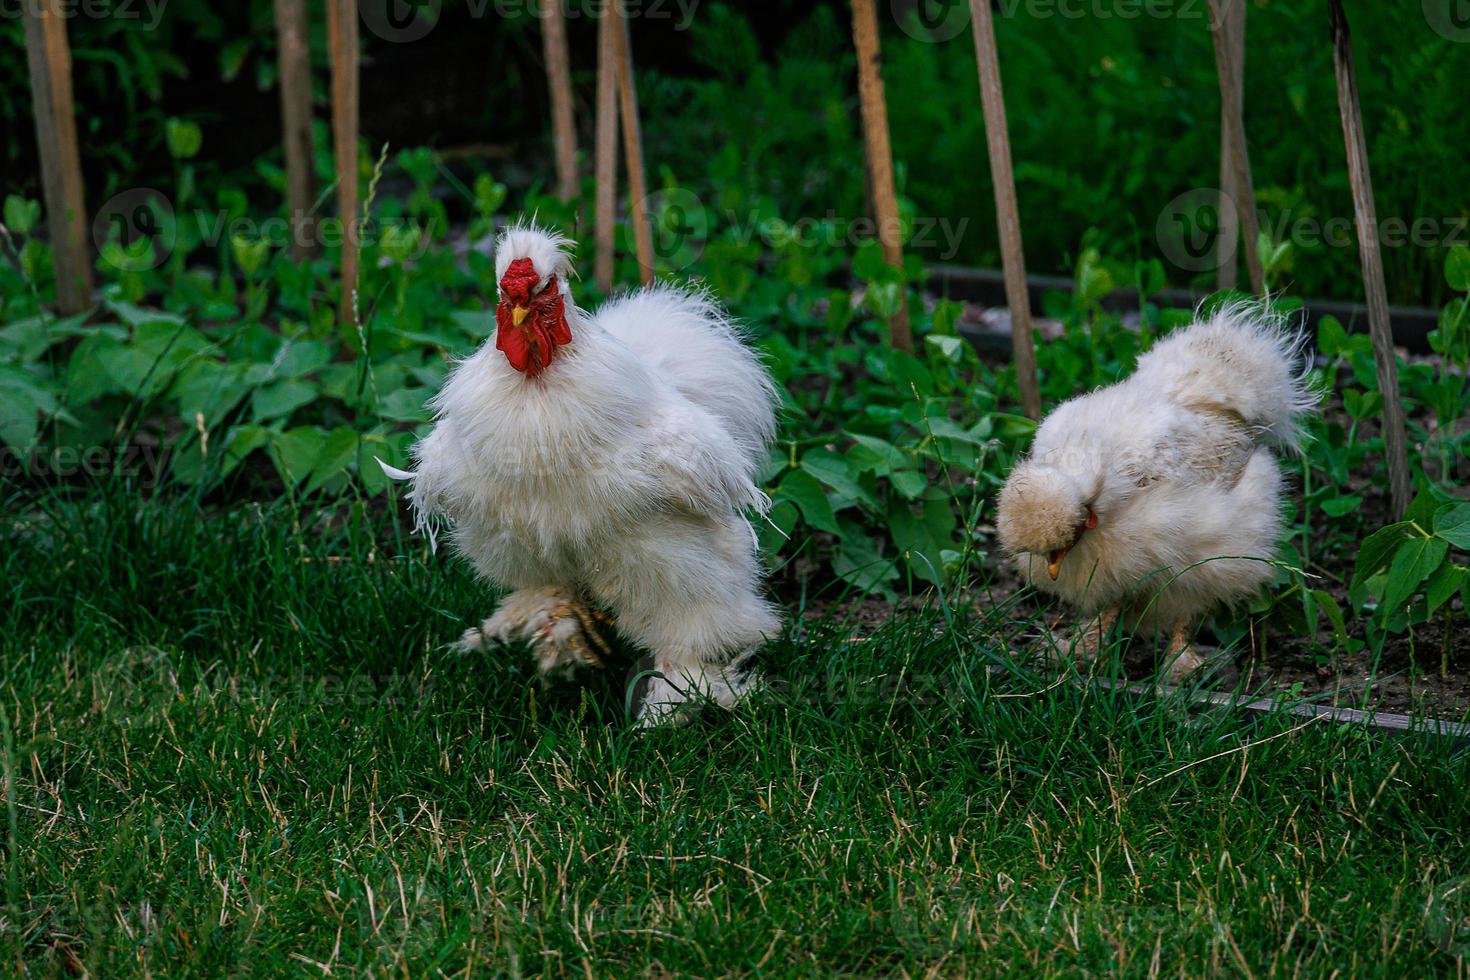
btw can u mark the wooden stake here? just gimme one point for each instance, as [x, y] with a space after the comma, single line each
[880, 156]
[1394, 438]
[633, 148]
[1233, 31]
[342, 42]
[1231, 66]
[1007, 213]
[49, 59]
[559, 82]
[294, 56]
[607, 147]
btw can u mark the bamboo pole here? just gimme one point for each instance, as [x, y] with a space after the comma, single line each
[49, 60]
[1230, 66]
[606, 149]
[880, 156]
[342, 42]
[294, 56]
[633, 148]
[1233, 31]
[1007, 212]
[1394, 438]
[559, 82]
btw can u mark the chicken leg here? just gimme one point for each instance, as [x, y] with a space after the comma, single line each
[1181, 660]
[564, 632]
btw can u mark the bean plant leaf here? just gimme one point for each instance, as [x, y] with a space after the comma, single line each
[837, 473]
[338, 451]
[1412, 564]
[1445, 581]
[296, 452]
[803, 490]
[1457, 269]
[1377, 551]
[1452, 522]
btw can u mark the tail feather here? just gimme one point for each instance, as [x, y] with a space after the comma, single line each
[1245, 359]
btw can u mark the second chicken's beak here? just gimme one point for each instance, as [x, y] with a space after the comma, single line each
[517, 314]
[1054, 562]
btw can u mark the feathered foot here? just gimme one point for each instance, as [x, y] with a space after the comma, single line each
[1181, 660]
[562, 629]
[674, 694]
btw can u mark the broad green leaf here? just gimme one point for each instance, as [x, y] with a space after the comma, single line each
[837, 473]
[241, 441]
[281, 399]
[296, 452]
[184, 138]
[339, 450]
[405, 405]
[774, 530]
[859, 563]
[479, 324]
[1445, 581]
[885, 299]
[1452, 522]
[909, 483]
[802, 489]
[913, 537]
[1412, 564]
[19, 417]
[1332, 339]
[1338, 506]
[1378, 550]
[1329, 607]
[949, 348]
[1422, 508]
[878, 456]
[1457, 269]
[21, 214]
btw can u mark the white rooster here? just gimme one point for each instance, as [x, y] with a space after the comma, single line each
[1158, 498]
[607, 460]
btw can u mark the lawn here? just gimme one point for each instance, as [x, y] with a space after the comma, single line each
[238, 746]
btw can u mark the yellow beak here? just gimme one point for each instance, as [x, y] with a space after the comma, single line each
[517, 314]
[1054, 562]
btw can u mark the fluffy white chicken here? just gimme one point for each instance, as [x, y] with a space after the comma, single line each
[607, 460]
[1157, 499]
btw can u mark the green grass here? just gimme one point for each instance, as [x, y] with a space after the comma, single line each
[237, 746]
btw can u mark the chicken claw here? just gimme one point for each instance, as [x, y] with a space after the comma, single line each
[564, 632]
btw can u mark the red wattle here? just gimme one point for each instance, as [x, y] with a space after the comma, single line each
[531, 346]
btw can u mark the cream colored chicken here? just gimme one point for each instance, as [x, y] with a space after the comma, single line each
[1158, 499]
